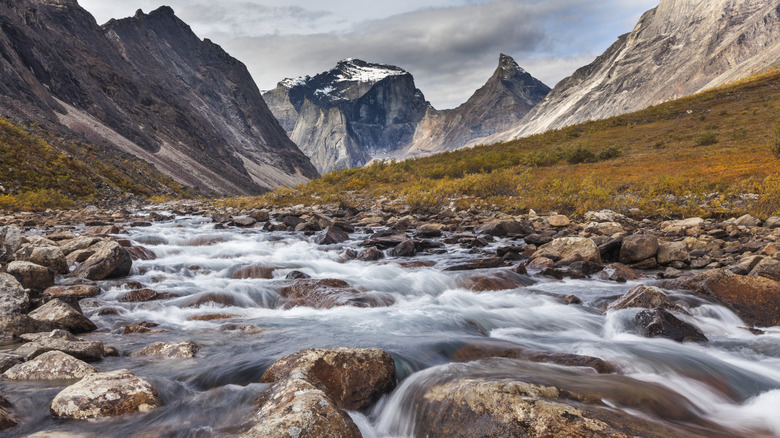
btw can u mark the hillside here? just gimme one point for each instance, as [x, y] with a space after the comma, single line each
[707, 154]
[42, 171]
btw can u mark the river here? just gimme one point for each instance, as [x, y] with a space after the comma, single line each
[729, 386]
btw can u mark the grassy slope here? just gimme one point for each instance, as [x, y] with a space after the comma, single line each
[39, 171]
[698, 156]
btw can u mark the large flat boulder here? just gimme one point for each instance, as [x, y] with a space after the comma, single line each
[169, 350]
[354, 378]
[60, 340]
[105, 395]
[31, 276]
[110, 260]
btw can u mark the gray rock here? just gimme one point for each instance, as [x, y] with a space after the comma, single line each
[404, 249]
[51, 257]
[110, 260]
[13, 297]
[747, 221]
[331, 236]
[78, 244]
[8, 361]
[567, 250]
[660, 322]
[637, 248]
[670, 252]
[60, 340]
[53, 365]
[768, 268]
[647, 297]
[773, 222]
[10, 242]
[105, 395]
[31, 276]
[7, 418]
[15, 325]
[168, 350]
[64, 316]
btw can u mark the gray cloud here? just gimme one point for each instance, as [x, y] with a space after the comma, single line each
[451, 46]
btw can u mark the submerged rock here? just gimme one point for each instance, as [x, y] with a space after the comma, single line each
[169, 350]
[104, 395]
[354, 378]
[500, 279]
[328, 293]
[53, 365]
[7, 417]
[471, 352]
[659, 322]
[144, 295]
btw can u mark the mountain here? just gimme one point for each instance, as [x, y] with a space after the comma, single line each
[359, 111]
[499, 105]
[147, 86]
[677, 49]
[350, 114]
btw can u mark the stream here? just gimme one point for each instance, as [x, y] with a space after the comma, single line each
[729, 386]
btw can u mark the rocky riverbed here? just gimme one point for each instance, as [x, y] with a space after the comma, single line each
[188, 320]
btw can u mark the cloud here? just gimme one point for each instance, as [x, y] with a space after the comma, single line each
[450, 46]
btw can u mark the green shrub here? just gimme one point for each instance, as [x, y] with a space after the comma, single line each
[706, 139]
[775, 145]
[580, 154]
[610, 153]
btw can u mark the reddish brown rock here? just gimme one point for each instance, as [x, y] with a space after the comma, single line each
[7, 418]
[354, 378]
[637, 248]
[619, 272]
[78, 292]
[496, 280]
[211, 299]
[140, 253]
[328, 293]
[64, 316]
[144, 295]
[257, 272]
[755, 299]
[471, 352]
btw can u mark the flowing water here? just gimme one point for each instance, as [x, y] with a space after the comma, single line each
[729, 386]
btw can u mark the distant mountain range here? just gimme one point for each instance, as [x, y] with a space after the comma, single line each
[147, 86]
[359, 111]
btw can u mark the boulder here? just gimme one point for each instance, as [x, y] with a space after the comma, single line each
[105, 395]
[754, 299]
[14, 325]
[255, 272]
[7, 417]
[331, 236]
[294, 407]
[8, 361]
[102, 230]
[471, 352]
[328, 293]
[63, 341]
[647, 297]
[371, 254]
[603, 216]
[606, 228]
[140, 253]
[10, 242]
[110, 260]
[659, 322]
[773, 222]
[492, 262]
[353, 378]
[769, 268]
[501, 228]
[64, 316]
[79, 243]
[481, 407]
[404, 249]
[169, 350]
[620, 273]
[53, 365]
[79, 256]
[540, 264]
[31, 276]
[13, 297]
[244, 222]
[747, 221]
[51, 257]
[77, 292]
[558, 221]
[637, 248]
[144, 295]
[569, 250]
[680, 226]
[500, 279]
[670, 252]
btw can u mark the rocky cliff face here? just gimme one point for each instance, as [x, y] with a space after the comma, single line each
[346, 116]
[679, 48]
[499, 105]
[359, 111]
[147, 86]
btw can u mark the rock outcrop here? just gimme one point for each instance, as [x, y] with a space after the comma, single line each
[146, 86]
[677, 49]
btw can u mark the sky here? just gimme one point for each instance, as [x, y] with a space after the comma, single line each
[450, 46]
